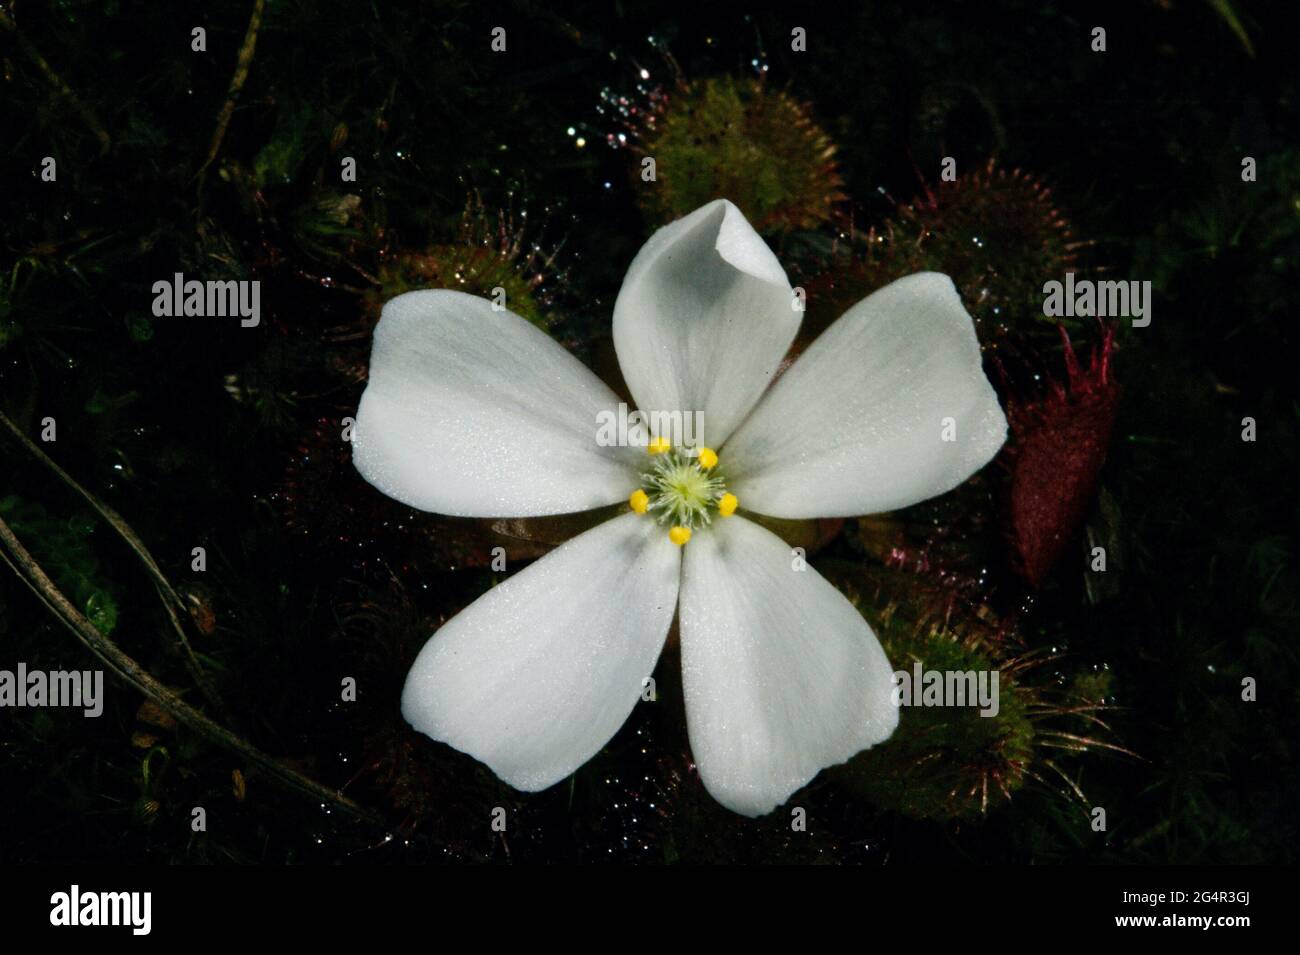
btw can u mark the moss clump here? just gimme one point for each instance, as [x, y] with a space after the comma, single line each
[943, 762]
[489, 253]
[947, 762]
[739, 139]
[996, 232]
[473, 269]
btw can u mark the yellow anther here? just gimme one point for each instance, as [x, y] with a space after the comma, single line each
[708, 458]
[727, 504]
[658, 445]
[639, 500]
[679, 535]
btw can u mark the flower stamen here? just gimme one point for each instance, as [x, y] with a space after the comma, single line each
[682, 490]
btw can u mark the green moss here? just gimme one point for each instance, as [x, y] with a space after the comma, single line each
[740, 140]
[475, 269]
[996, 232]
[945, 762]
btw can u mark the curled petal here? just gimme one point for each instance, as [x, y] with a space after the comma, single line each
[703, 319]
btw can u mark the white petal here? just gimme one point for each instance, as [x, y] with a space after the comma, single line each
[862, 421]
[535, 676]
[474, 412]
[703, 320]
[782, 675]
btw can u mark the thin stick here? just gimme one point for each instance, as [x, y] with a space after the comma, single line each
[172, 601]
[242, 66]
[63, 89]
[113, 657]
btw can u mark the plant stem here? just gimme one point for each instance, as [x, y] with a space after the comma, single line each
[242, 66]
[64, 90]
[116, 660]
[172, 601]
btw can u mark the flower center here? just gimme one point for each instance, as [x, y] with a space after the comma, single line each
[682, 490]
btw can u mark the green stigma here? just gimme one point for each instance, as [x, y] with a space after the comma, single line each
[681, 492]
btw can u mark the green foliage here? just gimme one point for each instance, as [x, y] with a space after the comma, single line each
[946, 762]
[62, 545]
[473, 268]
[997, 233]
[745, 141]
[279, 160]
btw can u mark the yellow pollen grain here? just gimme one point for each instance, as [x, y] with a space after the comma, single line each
[679, 535]
[727, 504]
[708, 458]
[658, 445]
[639, 500]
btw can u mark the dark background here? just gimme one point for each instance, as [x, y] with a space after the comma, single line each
[201, 433]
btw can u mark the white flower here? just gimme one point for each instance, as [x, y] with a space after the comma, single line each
[474, 412]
